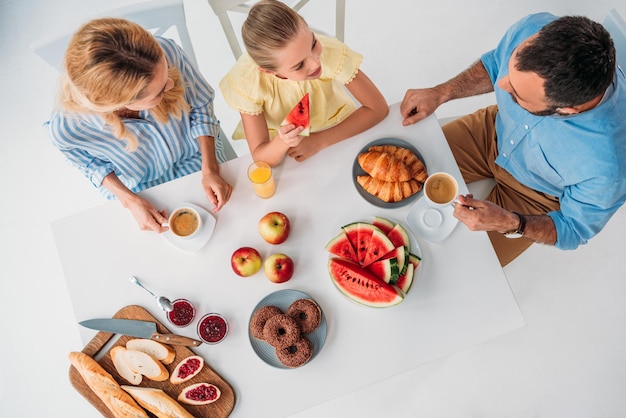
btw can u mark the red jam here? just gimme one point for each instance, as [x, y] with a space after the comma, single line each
[212, 328]
[188, 368]
[182, 314]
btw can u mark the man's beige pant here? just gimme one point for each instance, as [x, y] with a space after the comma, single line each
[472, 139]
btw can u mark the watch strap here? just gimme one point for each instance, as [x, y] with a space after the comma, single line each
[519, 232]
[522, 223]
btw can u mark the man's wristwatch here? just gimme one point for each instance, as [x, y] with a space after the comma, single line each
[519, 232]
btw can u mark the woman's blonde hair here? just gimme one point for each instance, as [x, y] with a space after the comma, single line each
[270, 25]
[109, 62]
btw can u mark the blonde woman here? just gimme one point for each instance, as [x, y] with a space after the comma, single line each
[286, 60]
[134, 112]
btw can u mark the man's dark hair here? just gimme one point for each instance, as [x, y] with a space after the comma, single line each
[576, 58]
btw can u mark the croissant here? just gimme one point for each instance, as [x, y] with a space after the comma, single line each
[384, 166]
[389, 191]
[408, 157]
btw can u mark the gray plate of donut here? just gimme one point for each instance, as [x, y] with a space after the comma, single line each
[282, 299]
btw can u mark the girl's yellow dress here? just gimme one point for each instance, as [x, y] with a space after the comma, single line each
[251, 91]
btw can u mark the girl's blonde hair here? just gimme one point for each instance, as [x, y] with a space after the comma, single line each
[109, 62]
[270, 25]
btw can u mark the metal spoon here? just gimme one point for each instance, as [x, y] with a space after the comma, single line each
[163, 302]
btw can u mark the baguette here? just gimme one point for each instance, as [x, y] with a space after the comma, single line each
[384, 166]
[162, 352]
[388, 191]
[408, 157]
[142, 363]
[123, 368]
[157, 402]
[105, 387]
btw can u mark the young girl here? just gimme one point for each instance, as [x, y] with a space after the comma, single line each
[285, 61]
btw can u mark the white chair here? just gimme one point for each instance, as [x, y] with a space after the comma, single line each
[161, 17]
[222, 7]
[616, 26]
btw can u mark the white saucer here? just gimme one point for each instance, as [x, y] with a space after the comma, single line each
[432, 224]
[201, 237]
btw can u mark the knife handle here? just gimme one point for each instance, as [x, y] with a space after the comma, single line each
[175, 339]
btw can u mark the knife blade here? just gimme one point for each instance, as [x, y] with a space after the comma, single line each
[136, 328]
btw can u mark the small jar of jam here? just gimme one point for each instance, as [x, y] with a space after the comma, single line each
[182, 314]
[212, 328]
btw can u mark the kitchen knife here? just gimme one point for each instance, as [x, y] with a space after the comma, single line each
[135, 328]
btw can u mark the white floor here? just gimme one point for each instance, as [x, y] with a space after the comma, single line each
[569, 361]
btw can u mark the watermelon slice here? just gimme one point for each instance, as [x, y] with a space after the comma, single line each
[398, 237]
[362, 286]
[399, 253]
[406, 280]
[360, 234]
[378, 246]
[388, 269]
[300, 116]
[383, 224]
[342, 247]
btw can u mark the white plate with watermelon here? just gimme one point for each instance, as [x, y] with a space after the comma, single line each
[374, 262]
[282, 299]
[358, 171]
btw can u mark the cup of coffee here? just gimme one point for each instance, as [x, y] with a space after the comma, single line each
[185, 222]
[440, 189]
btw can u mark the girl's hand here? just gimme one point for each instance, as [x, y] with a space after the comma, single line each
[146, 216]
[216, 189]
[308, 147]
[290, 134]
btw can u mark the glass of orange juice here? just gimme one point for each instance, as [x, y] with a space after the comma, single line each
[260, 174]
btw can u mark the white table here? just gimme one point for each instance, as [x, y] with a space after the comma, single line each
[461, 298]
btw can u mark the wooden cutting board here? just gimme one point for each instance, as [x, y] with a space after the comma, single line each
[218, 409]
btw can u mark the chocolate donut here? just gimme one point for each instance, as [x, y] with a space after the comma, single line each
[260, 317]
[296, 354]
[306, 313]
[281, 331]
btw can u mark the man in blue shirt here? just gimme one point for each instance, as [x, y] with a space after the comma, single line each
[555, 143]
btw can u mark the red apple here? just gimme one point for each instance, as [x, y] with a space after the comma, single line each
[278, 268]
[245, 261]
[274, 227]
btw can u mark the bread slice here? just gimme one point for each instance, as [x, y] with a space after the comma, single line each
[121, 365]
[162, 352]
[142, 363]
[105, 387]
[157, 402]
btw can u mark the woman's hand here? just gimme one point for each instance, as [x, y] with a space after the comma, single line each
[146, 216]
[217, 190]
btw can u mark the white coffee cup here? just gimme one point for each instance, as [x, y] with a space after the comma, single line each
[184, 222]
[440, 189]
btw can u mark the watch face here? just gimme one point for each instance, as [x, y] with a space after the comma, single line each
[514, 234]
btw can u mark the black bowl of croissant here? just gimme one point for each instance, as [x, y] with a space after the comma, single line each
[389, 172]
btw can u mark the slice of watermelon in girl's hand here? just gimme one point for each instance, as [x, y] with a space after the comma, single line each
[300, 116]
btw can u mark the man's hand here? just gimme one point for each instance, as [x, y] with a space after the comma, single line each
[419, 104]
[482, 215]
